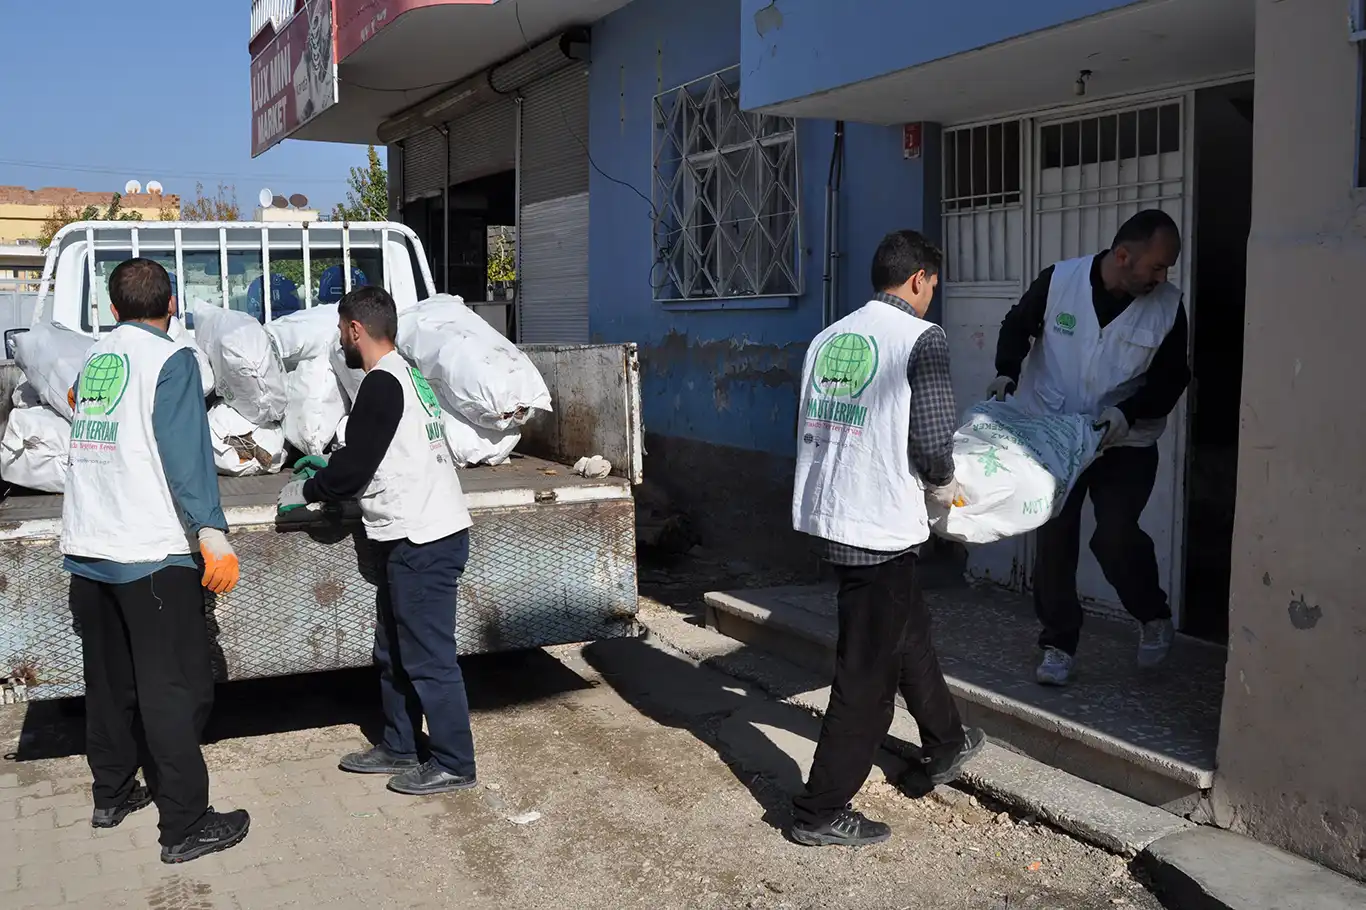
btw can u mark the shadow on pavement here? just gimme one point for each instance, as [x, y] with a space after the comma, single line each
[261, 707]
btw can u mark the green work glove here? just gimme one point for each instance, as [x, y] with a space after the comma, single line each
[309, 465]
[292, 496]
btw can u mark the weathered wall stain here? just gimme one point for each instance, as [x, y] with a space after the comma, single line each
[1303, 615]
[727, 365]
[768, 19]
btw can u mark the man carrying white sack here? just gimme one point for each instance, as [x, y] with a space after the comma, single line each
[1105, 336]
[875, 439]
[397, 464]
[141, 497]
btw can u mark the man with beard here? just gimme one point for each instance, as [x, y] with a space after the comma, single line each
[1102, 335]
[397, 464]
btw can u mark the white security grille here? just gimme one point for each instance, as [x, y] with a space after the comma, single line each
[725, 195]
[982, 204]
[1096, 172]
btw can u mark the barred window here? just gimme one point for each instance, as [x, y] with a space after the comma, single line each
[725, 196]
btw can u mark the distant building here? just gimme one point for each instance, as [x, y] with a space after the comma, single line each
[23, 211]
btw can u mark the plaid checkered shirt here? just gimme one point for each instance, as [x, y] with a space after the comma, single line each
[934, 418]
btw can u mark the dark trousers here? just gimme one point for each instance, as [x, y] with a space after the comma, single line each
[1119, 483]
[884, 644]
[416, 651]
[148, 692]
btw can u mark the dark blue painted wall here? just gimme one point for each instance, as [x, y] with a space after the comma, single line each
[794, 48]
[726, 376]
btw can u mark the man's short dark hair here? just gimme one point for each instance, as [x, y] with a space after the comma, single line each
[1143, 227]
[373, 308]
[140, 289]
[902, 254]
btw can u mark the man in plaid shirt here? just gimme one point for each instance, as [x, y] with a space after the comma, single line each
[876, 439]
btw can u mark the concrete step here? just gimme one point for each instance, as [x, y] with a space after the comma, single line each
[1149, 735]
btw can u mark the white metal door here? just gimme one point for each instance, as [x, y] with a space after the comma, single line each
[1091, 173]
[986, 268]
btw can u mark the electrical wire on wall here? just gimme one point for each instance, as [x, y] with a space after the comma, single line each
[659, 259]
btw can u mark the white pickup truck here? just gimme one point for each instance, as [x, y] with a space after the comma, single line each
[552, 554]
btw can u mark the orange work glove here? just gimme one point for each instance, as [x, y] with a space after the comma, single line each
[220, 561]
[71, 398]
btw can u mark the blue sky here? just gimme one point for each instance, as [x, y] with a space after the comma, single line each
[113, 90]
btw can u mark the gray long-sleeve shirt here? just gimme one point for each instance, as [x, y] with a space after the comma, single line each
[180, 426]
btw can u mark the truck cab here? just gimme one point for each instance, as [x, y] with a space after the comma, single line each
[308, 263]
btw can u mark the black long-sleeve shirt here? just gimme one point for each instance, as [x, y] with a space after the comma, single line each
[1167, 376]
[369, 430]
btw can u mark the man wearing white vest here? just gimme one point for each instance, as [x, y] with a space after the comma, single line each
[141, 497]
[875, 438]
[1106, 336]
[396, 462]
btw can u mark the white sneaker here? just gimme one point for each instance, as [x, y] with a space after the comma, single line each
[1056, 668]
[1155, 642]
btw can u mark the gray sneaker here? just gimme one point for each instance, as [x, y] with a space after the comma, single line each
[1155, 642]
[1056, 668]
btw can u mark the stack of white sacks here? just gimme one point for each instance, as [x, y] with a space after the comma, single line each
[488, 389]
[287, 383]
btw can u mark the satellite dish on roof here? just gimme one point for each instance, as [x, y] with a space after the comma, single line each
[298, 200]
[131, 187]
[264, 197]
[280, 202]
[154, 187]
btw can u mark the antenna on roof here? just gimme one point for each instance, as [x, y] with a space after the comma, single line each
[154, 187]
[131, 187]
[264, 197]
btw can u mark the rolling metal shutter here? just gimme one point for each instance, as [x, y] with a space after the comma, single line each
[394, 161]
[552, 305]
[484, 141]
[424, 165]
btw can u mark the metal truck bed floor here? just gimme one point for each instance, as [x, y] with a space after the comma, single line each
[521, 481]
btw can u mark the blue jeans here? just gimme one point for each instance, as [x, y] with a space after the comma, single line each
[416, 652]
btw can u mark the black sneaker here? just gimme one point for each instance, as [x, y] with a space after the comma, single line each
[221, 830]
[946, 770]
[848, 829]
[138, 798]
[376, 760]
[428, 778]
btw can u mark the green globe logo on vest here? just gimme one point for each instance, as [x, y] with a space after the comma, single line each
[1066, 323]
[430, 404]
[102, 386]
[845, 367]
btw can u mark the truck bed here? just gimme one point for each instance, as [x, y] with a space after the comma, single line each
[525, 480]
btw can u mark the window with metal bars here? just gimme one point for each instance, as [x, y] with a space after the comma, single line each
[725, 194]
[982, 203]
[1111, 137]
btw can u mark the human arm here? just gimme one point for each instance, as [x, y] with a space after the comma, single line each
[934, 413]
[1022, 324]
[369, 431]
[1167, 377]
[180, 426]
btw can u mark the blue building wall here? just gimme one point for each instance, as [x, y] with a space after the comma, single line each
[719, 373]
[794, 48]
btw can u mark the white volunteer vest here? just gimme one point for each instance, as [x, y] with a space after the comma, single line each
[1076, 367]
[855, 483]
[415, 494]
[117, 505]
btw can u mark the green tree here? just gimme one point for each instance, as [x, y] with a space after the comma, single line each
[221, 206]
[68, 214]
[368, 197]
[502, 255]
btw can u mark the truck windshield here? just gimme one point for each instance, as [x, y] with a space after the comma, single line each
[203, 281]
